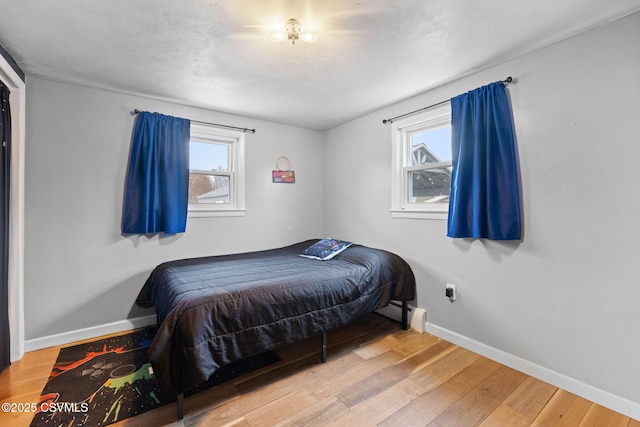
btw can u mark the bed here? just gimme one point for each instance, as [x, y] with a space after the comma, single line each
[214, 310]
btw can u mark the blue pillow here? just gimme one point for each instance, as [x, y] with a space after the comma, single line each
[325, 249]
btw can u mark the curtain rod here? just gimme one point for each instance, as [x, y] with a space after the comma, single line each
[136, 111]
[385, 121]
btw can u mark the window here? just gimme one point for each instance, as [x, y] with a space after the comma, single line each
[421, 180]
[216, 171]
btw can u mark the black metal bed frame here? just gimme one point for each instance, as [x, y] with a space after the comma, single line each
[323, 353]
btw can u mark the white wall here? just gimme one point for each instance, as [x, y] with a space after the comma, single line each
[80, 272]
[565, 302]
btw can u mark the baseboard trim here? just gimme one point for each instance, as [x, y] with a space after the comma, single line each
[416, 317]
[572, 385]
[87, 333]
[416, 321]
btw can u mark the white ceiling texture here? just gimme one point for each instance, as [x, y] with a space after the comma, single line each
[217, 54]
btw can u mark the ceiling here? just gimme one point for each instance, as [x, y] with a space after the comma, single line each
[217, 54]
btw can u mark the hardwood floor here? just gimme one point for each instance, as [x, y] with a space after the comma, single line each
[376, 375]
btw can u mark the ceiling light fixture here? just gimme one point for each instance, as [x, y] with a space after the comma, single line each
[293, 31]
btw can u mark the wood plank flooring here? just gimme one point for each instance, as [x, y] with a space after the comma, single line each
[376, 375]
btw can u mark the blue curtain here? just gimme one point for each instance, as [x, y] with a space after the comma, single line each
[485, 195]
[156, 193]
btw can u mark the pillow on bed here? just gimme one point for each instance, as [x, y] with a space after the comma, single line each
[325, 249]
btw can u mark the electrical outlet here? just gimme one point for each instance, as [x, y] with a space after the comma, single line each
[450, 291]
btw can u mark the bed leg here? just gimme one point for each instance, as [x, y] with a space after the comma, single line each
[180, 406]
[405, 315]
[323, 354]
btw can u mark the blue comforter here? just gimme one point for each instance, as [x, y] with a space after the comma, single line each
[215, 310]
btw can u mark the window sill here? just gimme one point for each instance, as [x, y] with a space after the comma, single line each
[419, 214]
[207, 213]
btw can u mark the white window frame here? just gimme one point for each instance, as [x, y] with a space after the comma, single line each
[402, 129]
[236, 173]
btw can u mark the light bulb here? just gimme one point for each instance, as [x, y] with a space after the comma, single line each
[279, 36]
[309, 37]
